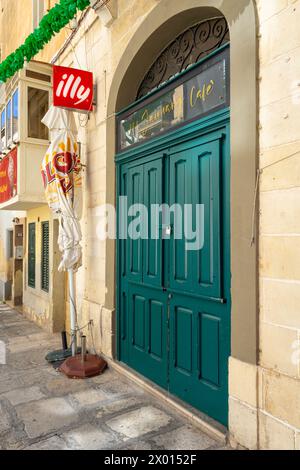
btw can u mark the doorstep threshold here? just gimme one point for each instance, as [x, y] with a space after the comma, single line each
[203, 422]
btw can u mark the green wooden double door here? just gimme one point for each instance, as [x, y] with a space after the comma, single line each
[174, 298]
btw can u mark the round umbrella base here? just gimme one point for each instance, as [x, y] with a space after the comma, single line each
[75, 368]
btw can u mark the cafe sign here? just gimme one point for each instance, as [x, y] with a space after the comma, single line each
[8, 176]
[202, 91]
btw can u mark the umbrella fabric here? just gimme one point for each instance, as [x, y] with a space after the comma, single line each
[61, 172]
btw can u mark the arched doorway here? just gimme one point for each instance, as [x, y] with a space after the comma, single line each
[128, 77]
[173, 163]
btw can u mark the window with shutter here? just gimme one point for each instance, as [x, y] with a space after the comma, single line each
[31, 255]
[45, 257]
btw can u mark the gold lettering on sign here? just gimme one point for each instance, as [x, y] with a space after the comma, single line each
[201, 94]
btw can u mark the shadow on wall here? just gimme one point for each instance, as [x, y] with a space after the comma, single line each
[242, 5]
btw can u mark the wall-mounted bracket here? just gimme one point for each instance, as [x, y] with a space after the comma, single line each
[107, 12]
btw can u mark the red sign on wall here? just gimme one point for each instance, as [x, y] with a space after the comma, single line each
[72, 89]
[8, 176]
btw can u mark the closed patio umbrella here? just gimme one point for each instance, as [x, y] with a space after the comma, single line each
[61, 172]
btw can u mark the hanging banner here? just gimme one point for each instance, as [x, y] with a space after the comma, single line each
[73, 89]
[8, 176]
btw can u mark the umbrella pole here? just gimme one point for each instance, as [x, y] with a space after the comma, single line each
[72, 311]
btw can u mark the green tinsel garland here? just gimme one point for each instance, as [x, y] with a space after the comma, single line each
[58, 17]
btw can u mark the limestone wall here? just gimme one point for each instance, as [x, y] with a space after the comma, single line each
[266, 411]
[279, 220]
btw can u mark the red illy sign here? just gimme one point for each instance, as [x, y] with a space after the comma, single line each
[72, 89]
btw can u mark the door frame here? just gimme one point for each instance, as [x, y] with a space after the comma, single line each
[134, 58]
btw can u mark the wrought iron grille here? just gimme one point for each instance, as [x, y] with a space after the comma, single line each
[187, 49]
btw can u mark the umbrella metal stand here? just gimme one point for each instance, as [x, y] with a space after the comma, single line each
[80, 366]
[72, 311]
[83, 366]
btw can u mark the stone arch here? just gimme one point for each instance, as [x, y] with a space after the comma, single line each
[166, 21]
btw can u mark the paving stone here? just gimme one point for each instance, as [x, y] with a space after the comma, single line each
[117, 406]
[27, 359]
[41, 337]
[108, 376]
[24, 344]
[89, 397]
[22, 330]
[36, 376]
[4, 420]
[119, 387]
[88, 437]
[45, 416]
[19, 344]
[139, 445]
[139, 422]
[61, 385]
[13, 322]
[54, 443]
[9, 384]
[184, 438]
[24, 395]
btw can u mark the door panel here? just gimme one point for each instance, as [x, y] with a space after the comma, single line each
[183, 339]
[180, 194]
[148, 322]
[206, 190]
[209, 337]
[195, 179]
[156, 326]
[134, 246]
[143, 302]
[199, 346]
[153, 186]
[138, 309]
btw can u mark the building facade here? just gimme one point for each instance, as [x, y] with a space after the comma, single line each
[197, 103]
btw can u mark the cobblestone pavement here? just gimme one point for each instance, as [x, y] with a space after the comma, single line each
[41, 409]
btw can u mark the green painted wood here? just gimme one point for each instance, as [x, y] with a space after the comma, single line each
[31, 255]
[148, 332]
[45, 267]
[179, 194]
[134, 268]
[174, 304]
[206, 190]
[152, 247]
